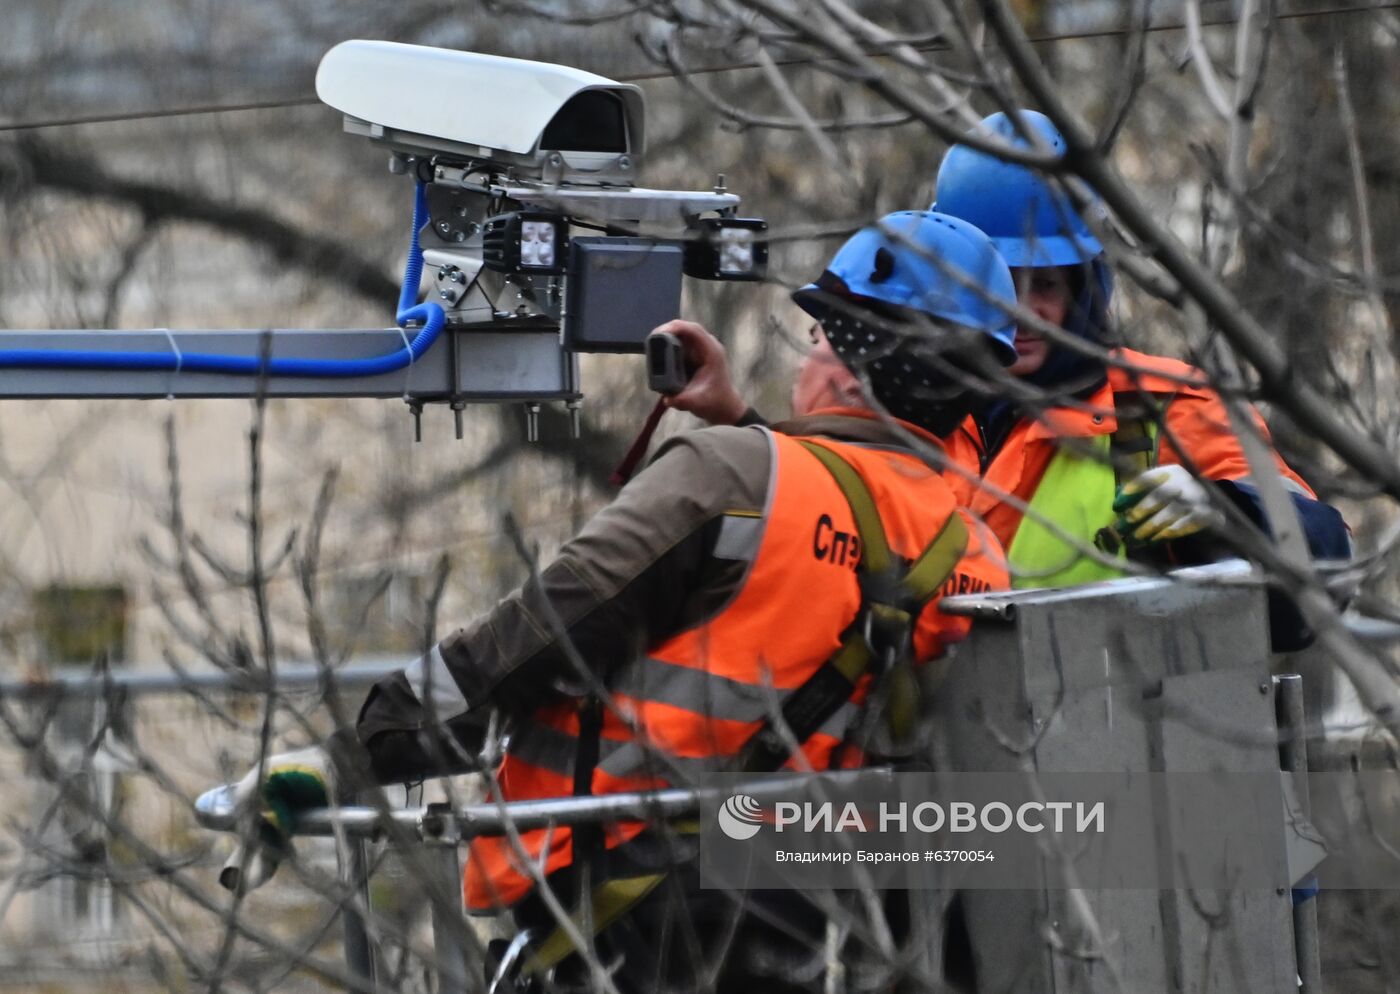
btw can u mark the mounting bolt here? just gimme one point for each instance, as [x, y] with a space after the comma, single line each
[555, 159]
[457, 407]
[575, 418]
[532, 422]
[415, 410]
[1264, 688]
[719, 184]
[624, 162]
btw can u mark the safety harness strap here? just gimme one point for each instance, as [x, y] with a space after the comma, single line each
[926, 574]
[611, 900]
[875, 549]
[588, 839]
[892, 598]
[1132, 448]
[937, 562]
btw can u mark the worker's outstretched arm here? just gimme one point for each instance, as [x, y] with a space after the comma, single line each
[1323, 527]
[647, 566]
[1199, 424]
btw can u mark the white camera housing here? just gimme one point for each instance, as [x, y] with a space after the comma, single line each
[536, 119]
[505, 149]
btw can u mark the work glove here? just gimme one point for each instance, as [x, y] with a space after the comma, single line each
[1162, 504]
[284, 787]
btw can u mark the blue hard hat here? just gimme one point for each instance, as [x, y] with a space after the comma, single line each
[916, 263]
[927, 262]
[1032, 223]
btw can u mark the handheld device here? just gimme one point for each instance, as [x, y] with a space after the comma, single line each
[667, 372]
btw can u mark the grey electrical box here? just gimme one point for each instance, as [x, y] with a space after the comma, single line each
[619, 289]
[1140, 675]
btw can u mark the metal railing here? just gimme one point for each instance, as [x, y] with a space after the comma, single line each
[440, 828]
[136, 680]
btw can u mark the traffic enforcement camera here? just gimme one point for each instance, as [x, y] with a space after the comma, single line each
[535, 218]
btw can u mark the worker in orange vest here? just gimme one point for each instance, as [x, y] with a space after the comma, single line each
[722, 582]
[1160, 407]
[1117, 452]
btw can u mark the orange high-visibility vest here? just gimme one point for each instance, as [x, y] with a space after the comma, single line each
[697, 698]
[1197, 432]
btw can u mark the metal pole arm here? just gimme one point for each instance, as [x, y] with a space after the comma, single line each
[217, 810]
[491, 365]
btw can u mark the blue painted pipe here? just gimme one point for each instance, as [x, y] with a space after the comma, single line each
[431, 316]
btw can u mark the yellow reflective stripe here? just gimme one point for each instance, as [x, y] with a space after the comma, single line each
[875, 550]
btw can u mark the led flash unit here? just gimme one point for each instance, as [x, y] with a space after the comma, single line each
[524, 242]
[537, 244]
[727, 248]
[735, 251]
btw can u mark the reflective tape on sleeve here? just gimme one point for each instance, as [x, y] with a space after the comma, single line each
[433, 685]
[739, 537]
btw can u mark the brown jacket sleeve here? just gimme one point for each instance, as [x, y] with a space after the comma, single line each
[647, 566]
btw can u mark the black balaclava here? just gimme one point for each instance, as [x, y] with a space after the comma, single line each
[878, 343]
